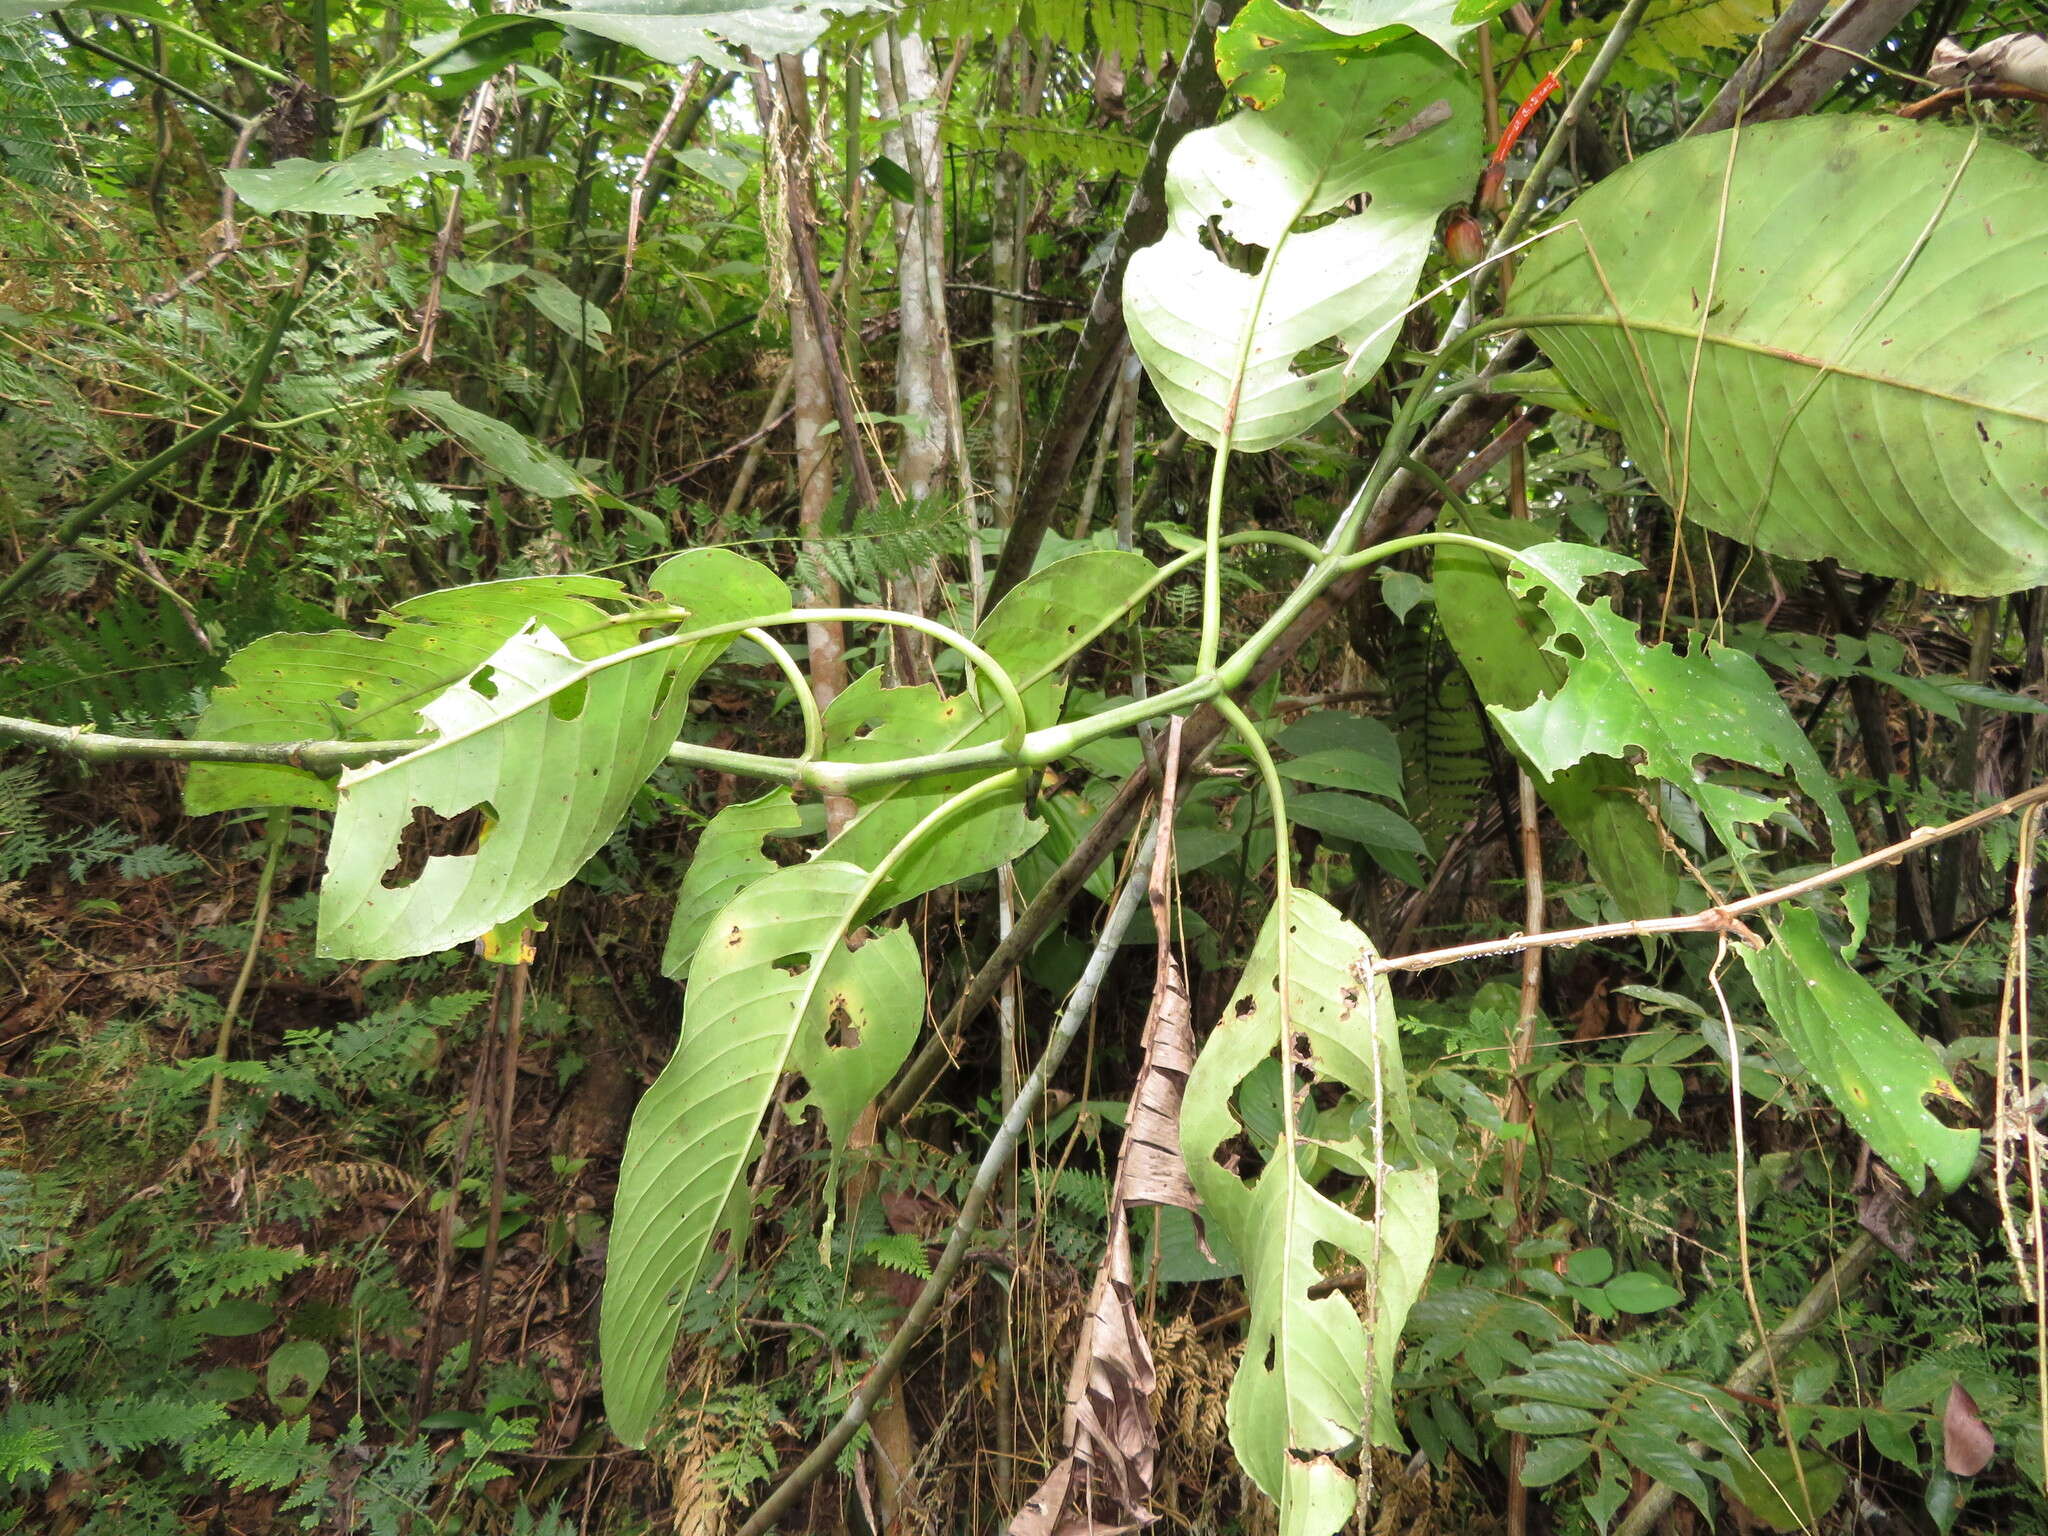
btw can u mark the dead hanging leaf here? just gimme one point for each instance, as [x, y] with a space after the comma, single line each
[1102, 1485]
[2018, 58]
[1966, 1444]
[1152, 1171]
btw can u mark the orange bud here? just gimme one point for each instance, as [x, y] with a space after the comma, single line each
[1464, 239]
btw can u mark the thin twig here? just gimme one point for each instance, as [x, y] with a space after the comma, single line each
[1725, 917]
[501, 1152]
[259, 922]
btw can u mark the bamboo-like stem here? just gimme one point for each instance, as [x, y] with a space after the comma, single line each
[254, 380]
[501, 1155]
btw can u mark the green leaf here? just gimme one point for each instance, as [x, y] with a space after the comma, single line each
[1051, 617]
[341, 685]
[1874, 1069]
[1846, 366]
[1499, 643]
[772, 968]
[1767, 1482]
[568, 311]
[708, 31]
[1589, 1266]
[1298, 1408]
[727, 860]
[1356, 819]
[1400, 127]
[1626, 700]
[343, 187]
[505, 449]
[1257, 50]
[893, 179]
[1343, 751]
[1549, 1460]
[1483, 1327]
[859, 1031]
[294, 1373]
[548, 746]
[1638, 1291]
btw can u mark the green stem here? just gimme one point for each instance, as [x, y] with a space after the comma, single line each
[1018, 722]
[273, 854]
[144, 72]
[806, 700]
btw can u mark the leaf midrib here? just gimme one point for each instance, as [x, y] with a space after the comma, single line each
[1565, 319]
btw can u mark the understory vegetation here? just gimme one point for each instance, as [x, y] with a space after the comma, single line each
[942, 768]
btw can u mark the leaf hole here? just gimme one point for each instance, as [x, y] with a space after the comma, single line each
[568, 704]
[484, 680]
[842, 1033]
[793, 964]
[431, 836]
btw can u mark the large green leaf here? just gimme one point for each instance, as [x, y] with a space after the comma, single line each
[1298, 1408]
[547, 748]
[548, 745]
[1498, 641]
[772, 976]
[1674, 716]
[1872, 1066]
[1049, 619]
[1397, 126]
[341, 685]
[504, 448]
[1844, 363]
[710, 32]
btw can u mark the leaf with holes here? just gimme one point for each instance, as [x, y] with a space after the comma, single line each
[1824, 338]
[1498, 641]
[1873, 1067]
[1673, 715]
[341, 685]
[728, 859]
[1035, 632]
[1298, 1407]
[548, 746]
[769, 981]
[1309, 283]
[547, 749]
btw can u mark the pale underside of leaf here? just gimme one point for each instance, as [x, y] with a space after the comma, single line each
[1397, 129]
[549, 757]
[766, 971]
[1298, 1407]
[1845, 361]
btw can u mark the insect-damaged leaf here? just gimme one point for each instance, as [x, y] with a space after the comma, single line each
[773, 987]
[1398, 127]
[1298, 1406]
[1874, 1069]
[546, 745]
